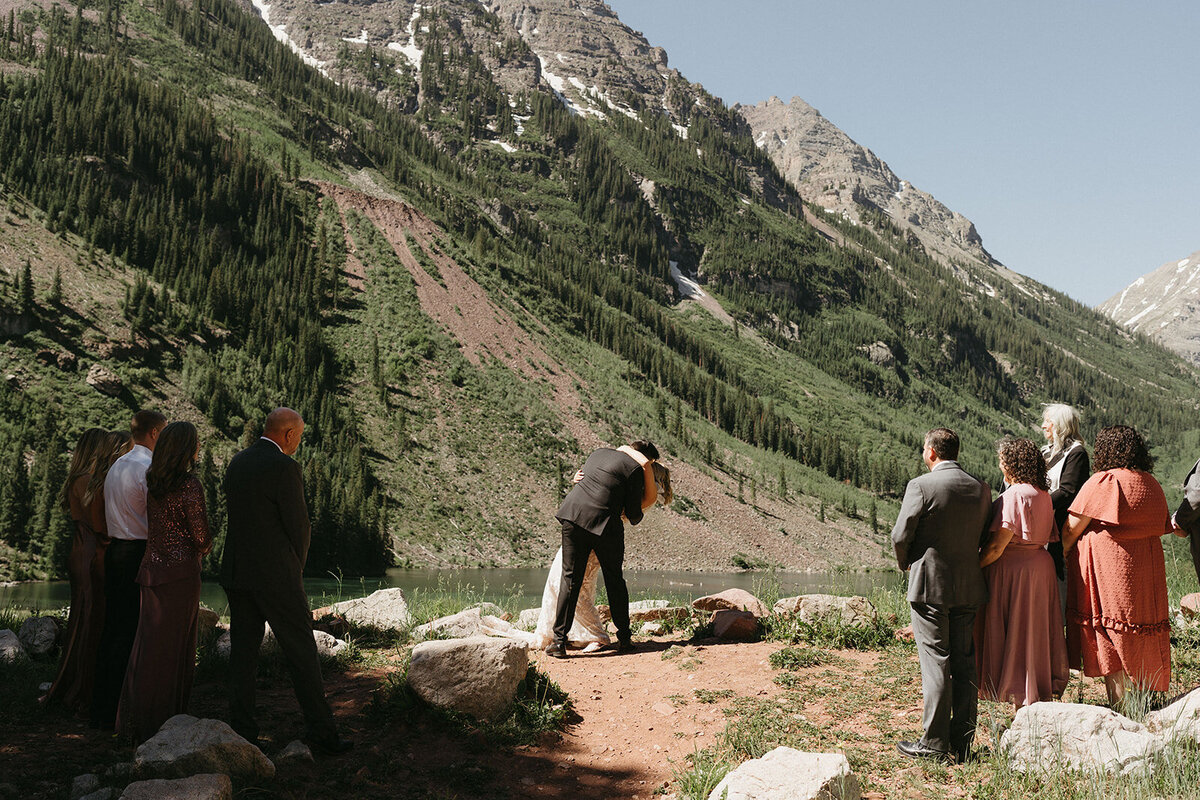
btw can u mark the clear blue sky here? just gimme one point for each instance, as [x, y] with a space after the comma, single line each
[1067, 131]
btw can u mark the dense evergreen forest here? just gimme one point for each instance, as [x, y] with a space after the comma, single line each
[240, 275]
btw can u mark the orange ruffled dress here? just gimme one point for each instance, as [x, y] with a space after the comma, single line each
[1117, 615]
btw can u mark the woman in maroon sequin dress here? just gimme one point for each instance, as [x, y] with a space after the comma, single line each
[158, 681]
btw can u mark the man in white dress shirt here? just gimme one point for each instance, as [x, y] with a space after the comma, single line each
[125, 514]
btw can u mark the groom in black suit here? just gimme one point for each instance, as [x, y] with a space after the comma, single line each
[262, 573]
[614, 483]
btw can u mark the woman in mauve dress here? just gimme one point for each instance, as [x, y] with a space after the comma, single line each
[158, 681]
[83, 499]
[1118, 622]
[1020, 652]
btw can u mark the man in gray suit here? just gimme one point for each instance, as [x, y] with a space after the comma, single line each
[937, 538]
[1187, 516]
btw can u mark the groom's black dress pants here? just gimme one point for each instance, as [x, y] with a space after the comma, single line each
[609, 547]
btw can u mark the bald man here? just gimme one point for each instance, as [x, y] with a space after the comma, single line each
[262, 573]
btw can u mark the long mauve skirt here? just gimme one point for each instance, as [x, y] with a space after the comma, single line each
[1020, 650]
[158, 681]
[77, 668]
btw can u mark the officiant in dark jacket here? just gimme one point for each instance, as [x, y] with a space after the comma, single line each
[1187, 516]
[613, 484]
[937, 537]
[262, 573]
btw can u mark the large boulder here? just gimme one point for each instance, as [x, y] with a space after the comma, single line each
[474, 621]
[1051, 737]
[206, 620]
[39, 635]
[104, 380]
[787, 774]
[186, 746]
[384, 610]
[478, 675]
[1179, 721]
[854, 612]
[654, 610]
[1189, 605]
[196, 787]
[736, 626]
[11, 648]
[732, 599]
[527, 620]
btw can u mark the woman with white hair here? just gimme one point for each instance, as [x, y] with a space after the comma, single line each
[1067, 469]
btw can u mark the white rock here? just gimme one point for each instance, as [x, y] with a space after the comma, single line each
[1050, 737]
[528, 619]
[1179, 721]
[477, 675]
[196, 787]
[787, 774]
[652, 629]
[296, 751]
[654, 610]
[327, 645]
[187, 746]
[849, 611]
[731, 599]
[469, 622]
[384, 610]
[38, 635]
[11, 648]
[206, 620]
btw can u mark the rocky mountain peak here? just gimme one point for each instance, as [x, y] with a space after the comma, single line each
[833, 171]
[1164, 305]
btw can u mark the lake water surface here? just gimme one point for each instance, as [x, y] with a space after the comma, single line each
[514, 588]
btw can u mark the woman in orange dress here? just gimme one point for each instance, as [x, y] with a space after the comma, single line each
[1118, 623]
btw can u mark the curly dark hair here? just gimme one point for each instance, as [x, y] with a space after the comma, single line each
[1023, 462]
[1121, 447]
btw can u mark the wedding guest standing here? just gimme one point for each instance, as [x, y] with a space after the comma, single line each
[1021, 655]
[936, 536]
[1067, 469]
[1187, 516]
[1118, 622]
[158, 681]
[72, 686]
[262, 570]
[125, 513]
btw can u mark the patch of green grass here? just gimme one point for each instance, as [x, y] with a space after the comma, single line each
[794, 658]
[829, 633]
[712, 695]
[703, 772]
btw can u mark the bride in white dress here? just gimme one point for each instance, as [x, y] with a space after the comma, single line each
[588, 631]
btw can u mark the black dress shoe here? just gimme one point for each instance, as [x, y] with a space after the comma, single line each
[918, 750]
[556, 650]
[626, 646]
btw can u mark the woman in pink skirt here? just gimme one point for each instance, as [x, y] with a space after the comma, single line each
[158, 682]
[1020, 651]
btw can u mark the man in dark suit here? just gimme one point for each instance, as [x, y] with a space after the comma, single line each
[937, 537]
[614, 483]
[1187, 516]
[262, 573]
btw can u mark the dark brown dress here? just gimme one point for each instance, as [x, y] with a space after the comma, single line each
[85, 567]
[158, 681]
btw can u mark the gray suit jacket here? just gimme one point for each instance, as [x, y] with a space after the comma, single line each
[937, 536]
[1187, 516]
[613, 484]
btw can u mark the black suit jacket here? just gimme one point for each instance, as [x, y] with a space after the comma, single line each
[266, 543]
[613, 483]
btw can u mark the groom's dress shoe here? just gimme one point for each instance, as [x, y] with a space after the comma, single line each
[556, 650]
[626, 646]
[918, 750]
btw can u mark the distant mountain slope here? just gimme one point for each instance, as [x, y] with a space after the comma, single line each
[833, 171]
[1164, 305]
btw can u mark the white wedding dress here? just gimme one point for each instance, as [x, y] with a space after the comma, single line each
[587, 631]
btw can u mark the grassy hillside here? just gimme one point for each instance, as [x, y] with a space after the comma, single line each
[461, 324]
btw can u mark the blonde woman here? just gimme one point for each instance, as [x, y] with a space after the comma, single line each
[1067, 469]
